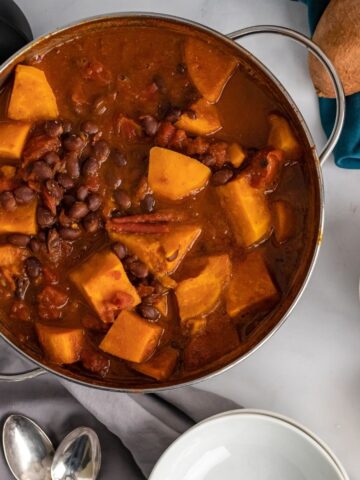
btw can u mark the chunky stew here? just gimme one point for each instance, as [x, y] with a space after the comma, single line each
[153, 204]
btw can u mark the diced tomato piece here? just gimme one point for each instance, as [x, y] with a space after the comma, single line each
[165, 134]
[179, 140]
[95, 361]
[19, 310]
[197, 146]
[265, 169]
[95, 70]
[219, 151]
[51, 300]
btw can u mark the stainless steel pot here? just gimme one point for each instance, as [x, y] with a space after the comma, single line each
[315, 161]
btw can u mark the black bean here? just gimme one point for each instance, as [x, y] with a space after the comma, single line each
[101, 150]
[89, 127]
[208, 160]
[33, 267]
[119, 158]
[42, 236]
[23, 194]
[22, 284]
[173, 115]
[8, 201]
[35, 245]
[54, 189]
[73, 143]
[92, 222]
[67, 126]
[72, 165]
[19, 239]
[69, 233]
[122, 199]
[90, 166]
[120, 250]
[222, 176]
[54, 128]
[78, 210]
[51, 158]
[149, 124]
[82, 192]
[148, 203]
[139, 269]
[41, 170]
[94, 201]
[65, 181]
[129, 259]
[149, 312]
[68, 200]
[44, 217]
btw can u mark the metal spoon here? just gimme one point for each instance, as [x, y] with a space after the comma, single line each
[78, 457]
[27, 449]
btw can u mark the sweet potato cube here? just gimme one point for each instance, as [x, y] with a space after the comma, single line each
[282, 137]
[132, 338]
[103, 281]
[155, 250]
[198, 296]
[174, 176]
[209, 68]
[284, 221]
[21, 220]
[11, 258]
[61, 345]
[206, 119]
[177, 244]
[12, 139]
[146, 247]
[161, 365]
[11, 263]
[7, 178]
[250, 286]
[247, 211]
[236, 154]
[32, 97]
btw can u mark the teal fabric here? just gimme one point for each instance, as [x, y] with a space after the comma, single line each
[347, 151]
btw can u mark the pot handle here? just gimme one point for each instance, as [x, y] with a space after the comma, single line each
[320, 55]
[19, 377]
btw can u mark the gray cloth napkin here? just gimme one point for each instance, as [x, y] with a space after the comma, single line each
[134, 430]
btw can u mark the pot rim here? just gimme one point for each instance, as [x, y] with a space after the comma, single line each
[223, 38]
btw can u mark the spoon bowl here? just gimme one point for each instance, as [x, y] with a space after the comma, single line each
[27, 449]
[78, 456]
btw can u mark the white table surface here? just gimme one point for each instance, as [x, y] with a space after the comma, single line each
[310, 370]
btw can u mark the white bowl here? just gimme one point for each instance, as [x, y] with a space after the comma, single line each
[248, 445]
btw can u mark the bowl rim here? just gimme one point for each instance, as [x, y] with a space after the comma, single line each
[253, 412]
[12, 61]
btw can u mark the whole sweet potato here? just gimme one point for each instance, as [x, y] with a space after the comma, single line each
[338, 34]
